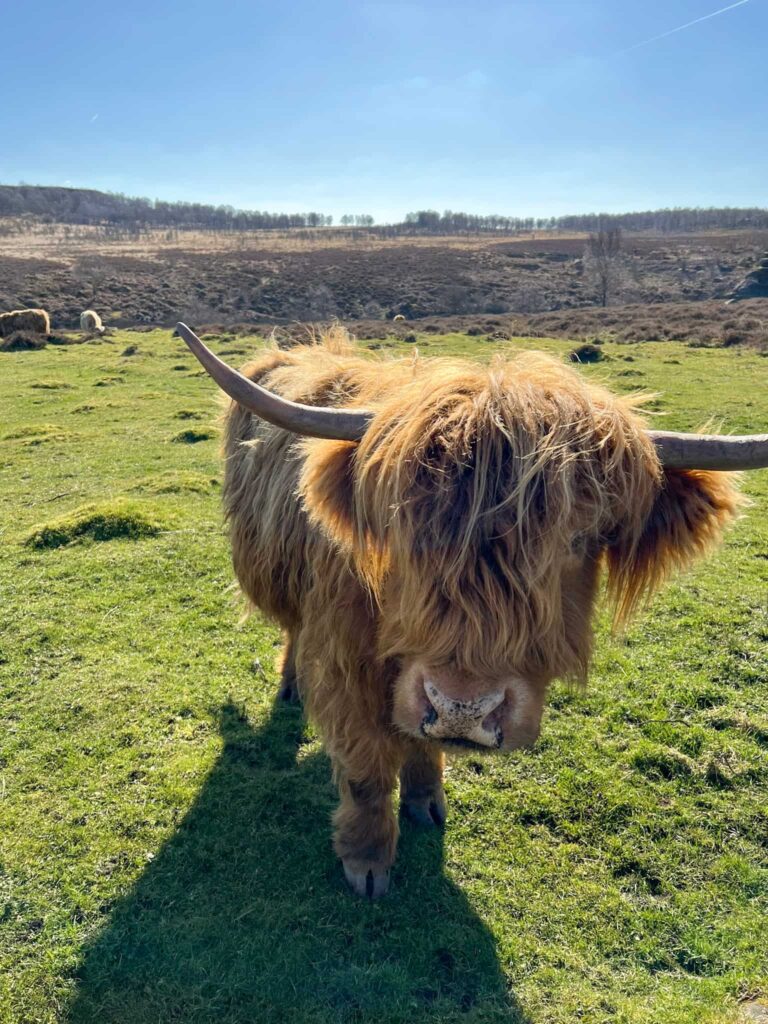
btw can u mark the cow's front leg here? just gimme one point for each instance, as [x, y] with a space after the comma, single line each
[290, 691]
[422, 799]
[366, 827]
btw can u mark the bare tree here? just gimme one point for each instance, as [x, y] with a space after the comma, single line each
[604, 263]
[91, 272]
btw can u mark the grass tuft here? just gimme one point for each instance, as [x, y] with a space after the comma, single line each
[188, 414]
[113, 521]
[192, 436]
[178, 482]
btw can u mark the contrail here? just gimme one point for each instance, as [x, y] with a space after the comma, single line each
[671, 32]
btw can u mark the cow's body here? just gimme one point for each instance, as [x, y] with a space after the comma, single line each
[36, 321]
[90, 322]
[434, 579]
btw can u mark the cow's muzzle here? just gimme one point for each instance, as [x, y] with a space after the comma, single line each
[474, 721]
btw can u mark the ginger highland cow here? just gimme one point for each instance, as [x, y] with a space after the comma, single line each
[430, 535]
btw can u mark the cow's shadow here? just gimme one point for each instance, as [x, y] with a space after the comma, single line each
[243, 915]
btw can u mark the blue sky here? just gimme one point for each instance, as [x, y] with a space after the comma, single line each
[517, 108]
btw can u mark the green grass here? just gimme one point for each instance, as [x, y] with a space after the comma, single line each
[164, 831]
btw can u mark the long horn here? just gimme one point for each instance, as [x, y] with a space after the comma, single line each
[308, 420]
[711, 451]
[676, 451]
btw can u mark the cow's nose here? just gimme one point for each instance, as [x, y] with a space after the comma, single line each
[446, 718]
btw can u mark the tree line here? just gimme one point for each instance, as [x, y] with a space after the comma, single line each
[89, 207]
[52, 204]
[677, 219]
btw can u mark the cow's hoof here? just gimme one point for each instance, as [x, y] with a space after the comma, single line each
[426, 810]
[366, 879]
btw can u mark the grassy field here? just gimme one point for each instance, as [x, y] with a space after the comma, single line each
[164, 829]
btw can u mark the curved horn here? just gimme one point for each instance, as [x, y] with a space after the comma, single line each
[711, 451]
[676, 451]
[308, 420]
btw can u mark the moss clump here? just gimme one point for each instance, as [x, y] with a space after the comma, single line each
[109, 521]
[178, 482]
[661, 762]
[192, 436]
[34, 435]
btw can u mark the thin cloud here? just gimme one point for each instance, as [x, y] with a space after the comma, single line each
[688, 24]
[96, 115]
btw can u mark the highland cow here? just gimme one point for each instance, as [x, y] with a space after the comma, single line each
[35, 321]
[430, 535]
[90, 322]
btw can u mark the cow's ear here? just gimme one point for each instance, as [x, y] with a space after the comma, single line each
[686, 520]
[327, 488]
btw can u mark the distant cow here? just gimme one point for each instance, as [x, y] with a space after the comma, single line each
[90, 322]
[430, 534]
[36, 321]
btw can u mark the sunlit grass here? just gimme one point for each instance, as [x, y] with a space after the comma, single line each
[164, 832]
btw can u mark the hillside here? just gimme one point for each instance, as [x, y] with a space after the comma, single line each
[59, 205]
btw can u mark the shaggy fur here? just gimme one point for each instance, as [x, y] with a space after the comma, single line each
[90, 321]
[35, 321]
[467, 529]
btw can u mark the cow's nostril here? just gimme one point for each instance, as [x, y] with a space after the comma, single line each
[430, 711]
[492, 721]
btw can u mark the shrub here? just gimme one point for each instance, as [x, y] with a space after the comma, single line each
[22, 341]
[731, 338]
[587, 353]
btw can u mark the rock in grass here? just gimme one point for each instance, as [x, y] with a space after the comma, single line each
[108, 521]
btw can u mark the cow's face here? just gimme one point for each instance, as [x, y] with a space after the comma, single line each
[478, 509]
[478, 521]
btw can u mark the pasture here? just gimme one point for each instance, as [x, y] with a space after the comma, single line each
[164, 828]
